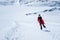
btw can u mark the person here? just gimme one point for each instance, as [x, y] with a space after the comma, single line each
[41, 22]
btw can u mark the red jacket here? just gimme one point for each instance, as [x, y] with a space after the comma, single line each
[41, 21]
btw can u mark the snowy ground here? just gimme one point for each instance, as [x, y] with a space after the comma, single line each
[16, 25]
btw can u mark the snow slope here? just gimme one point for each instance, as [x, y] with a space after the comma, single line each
[16, 25]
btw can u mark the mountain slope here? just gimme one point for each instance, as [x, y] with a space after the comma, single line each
[15, 25]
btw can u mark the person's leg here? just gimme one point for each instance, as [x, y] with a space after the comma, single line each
[44, 26]
[41, 26]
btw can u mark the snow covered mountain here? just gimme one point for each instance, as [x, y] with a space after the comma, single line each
[19, 21]
[50, 3]
[15, 25]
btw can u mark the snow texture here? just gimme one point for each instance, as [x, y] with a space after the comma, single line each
[19, 22]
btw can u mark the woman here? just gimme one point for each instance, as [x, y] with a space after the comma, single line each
[41, 21]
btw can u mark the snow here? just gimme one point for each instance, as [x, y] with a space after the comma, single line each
[16, 25]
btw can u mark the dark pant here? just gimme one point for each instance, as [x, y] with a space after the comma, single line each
[42, 25]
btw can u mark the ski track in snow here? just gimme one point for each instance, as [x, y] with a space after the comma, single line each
[13, 33]
[25, 30]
